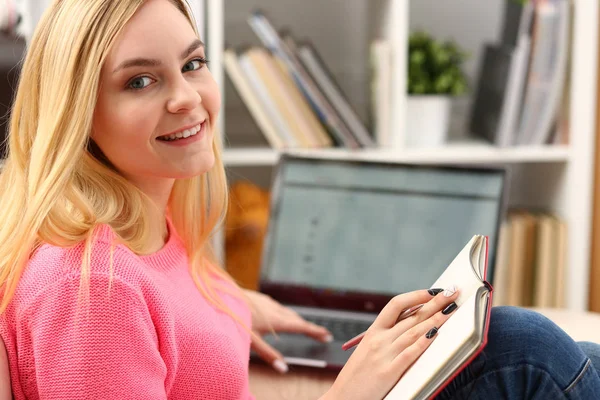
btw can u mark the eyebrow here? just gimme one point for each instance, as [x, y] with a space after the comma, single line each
[147, 62]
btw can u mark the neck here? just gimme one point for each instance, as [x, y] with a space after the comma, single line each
[158, 193]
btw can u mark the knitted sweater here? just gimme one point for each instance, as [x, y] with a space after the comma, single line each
[153, 336]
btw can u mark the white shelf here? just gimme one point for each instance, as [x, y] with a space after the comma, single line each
[451, 154]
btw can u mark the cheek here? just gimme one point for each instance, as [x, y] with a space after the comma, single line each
[121, 126]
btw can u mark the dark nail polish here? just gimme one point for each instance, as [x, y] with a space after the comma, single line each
[434, 292]
[431, 333]
[451, 307]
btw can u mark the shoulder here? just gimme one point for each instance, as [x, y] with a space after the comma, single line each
[52, 266]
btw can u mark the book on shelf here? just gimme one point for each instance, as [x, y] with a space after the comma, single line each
[318, 70]
[251, 71]
[291, 94]
[462, 337]
[531, 260]
[251, 99]
[522, 79]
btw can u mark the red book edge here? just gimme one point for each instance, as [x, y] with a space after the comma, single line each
[485, 330]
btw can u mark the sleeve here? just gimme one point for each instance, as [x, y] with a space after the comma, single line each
[106, 351]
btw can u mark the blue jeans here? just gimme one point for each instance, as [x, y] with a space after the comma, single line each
[528, 357]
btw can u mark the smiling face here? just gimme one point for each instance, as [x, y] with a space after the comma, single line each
[158, 102]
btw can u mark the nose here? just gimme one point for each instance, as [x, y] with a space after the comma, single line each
[183, 97]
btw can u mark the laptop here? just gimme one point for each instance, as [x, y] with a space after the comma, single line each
[345, 236]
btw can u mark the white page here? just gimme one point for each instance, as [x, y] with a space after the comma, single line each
[460, 271]
[459, 328]
[450, 339]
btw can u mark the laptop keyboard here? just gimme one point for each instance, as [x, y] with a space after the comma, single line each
[341, 329]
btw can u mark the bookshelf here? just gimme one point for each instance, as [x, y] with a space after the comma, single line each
[556, 178]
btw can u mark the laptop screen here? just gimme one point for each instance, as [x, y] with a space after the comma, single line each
[371, 227]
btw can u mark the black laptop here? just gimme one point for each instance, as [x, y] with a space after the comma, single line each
[345, 236]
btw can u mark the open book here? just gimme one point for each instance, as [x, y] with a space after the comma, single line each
[463, 335]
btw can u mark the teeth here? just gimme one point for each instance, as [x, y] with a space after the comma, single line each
[183, 134]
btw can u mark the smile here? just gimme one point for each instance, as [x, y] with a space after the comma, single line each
[182, 134]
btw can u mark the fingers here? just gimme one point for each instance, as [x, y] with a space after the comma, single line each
[440, 300]
[316, 332]
[296, 324]
[438, 303]
[268, 354]
[389, 315]
[410, 354]
[404, 339]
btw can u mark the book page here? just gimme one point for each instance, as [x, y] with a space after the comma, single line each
[451, 339]
[460, 272]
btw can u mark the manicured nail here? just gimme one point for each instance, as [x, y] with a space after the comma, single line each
[328, 338]
[280, 366]
[434, 292]
[431, 333]
[450, 291]
[451, 307]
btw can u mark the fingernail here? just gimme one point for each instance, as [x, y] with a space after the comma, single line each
[280, 366]
[434, 292]
[450, 291]
[328, 338]
[431, 333]
[451, 307]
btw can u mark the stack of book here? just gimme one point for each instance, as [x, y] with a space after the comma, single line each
[531, 260]
[291, 94]
[522, 95]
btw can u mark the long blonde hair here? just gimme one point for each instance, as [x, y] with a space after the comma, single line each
[55, 189]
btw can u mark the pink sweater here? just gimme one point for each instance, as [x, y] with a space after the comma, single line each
[153, 337]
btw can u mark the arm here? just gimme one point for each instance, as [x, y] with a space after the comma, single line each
[109, 352]
[4, 374]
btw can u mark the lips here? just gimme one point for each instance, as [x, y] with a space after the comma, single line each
[183, 133]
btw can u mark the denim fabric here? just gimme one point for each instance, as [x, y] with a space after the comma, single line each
[592, 350]
[528, 357]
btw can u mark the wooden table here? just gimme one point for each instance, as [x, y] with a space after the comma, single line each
[298, 384]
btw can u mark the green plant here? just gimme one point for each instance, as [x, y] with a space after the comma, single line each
[435, 67]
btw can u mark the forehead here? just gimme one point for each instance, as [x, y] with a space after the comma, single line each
[158, 28]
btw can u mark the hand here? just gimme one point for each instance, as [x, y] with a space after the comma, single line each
[389, 348]
[268, 316]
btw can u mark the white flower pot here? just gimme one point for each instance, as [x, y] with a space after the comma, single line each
[428, 118]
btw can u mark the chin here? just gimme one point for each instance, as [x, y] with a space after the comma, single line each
[199, 167]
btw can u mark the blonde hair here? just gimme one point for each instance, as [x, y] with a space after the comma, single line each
[56, 189]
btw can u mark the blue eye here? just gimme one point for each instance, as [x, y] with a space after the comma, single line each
[194, 64]
[139, 83]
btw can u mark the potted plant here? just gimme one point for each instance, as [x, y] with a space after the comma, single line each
[434, 75]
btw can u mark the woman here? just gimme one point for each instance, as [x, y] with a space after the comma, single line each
[112, 188]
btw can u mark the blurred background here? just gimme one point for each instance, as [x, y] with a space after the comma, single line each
[511, 83]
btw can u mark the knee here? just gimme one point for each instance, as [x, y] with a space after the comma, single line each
[530, 337]
[520, 322]
[527, 356]
[523, 328]
[592, 350]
